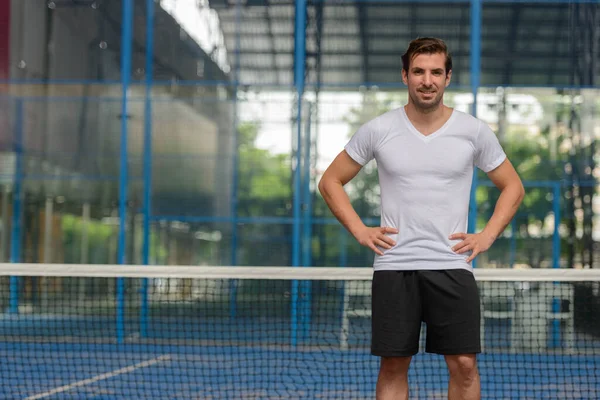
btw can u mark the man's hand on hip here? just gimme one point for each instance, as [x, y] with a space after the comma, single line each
[475, 242]
[375, 237]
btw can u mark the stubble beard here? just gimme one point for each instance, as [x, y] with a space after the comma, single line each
[427, 107]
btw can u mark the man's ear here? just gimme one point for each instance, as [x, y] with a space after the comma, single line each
[448, 77]
[404, 77]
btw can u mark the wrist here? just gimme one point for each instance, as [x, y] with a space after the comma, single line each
[491, 236]
[356, 229]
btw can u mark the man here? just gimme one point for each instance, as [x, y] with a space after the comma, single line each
[425, 153]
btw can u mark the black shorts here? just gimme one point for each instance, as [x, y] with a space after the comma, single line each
[446, 300]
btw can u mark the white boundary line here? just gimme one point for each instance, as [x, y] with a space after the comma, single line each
[283, 273]
[97, 378]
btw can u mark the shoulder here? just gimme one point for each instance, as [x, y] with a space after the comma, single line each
[383, 126]
[468, 121]
[383, 122]
[470, 126]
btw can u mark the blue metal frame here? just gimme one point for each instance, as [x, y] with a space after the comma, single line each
[306, 195]
[306, 289]
[15, 244]
[126, 51]
[475, 76]
[147, 207]
[299, 63]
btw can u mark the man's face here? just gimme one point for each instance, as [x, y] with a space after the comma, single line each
[426, 80]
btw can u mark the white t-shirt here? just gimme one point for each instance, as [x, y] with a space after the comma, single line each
[425, 184]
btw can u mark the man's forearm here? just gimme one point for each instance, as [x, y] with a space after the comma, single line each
[338, 202]
[506, 207]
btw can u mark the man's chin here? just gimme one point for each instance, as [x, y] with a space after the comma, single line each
[429, 105]
[426, 105]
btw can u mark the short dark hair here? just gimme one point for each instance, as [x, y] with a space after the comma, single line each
[426, 45]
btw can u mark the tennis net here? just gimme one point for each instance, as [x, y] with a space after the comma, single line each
[172, 332]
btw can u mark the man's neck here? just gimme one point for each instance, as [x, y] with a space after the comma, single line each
[425, 117]
[427, 122]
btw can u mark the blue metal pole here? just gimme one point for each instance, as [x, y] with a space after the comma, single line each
[299, 61]
[126, 50]
[306, 195]
[15, 241]
[236, 160]
[147, 208]
[343, 245]
[556, 260]
[475, 76]
[307, 224]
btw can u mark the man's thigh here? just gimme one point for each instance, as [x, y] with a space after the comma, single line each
[396, 313]
[451, 311]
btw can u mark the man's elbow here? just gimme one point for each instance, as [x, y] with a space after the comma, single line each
[326, 183]
[520, 192]
[322, 186]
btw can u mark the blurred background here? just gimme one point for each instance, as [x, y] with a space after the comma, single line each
[193, 132]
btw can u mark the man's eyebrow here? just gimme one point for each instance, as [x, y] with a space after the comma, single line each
[417, 69]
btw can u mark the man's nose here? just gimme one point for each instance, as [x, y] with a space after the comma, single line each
[427, 79]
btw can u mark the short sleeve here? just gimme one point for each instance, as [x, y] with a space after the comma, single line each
[360, 147]
[488, 151]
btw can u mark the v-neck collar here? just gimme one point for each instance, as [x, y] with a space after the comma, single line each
[431, 136]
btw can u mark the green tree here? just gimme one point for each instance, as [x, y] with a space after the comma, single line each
[264, 191]
[263, 179]
[533, 159]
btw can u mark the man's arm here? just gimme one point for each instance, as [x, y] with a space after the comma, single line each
[512, 192]
[341, 171]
